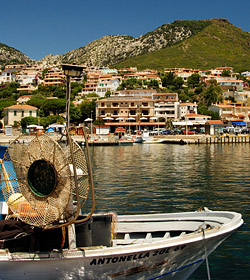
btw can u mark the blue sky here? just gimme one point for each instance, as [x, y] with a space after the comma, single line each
[39, 28]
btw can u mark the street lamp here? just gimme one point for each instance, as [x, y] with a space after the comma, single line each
[70, 70]
[91, 127]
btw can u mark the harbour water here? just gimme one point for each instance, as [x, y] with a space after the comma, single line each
[155, 178]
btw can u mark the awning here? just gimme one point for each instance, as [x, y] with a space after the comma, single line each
[182, 123]
[239, 123]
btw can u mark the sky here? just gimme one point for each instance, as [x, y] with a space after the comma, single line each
[39, 28]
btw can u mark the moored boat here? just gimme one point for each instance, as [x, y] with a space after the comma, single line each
[141, 247]
[100, 246]
[45, 183]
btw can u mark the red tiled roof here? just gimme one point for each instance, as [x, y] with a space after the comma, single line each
[25, 96]
[159, 94]
[21, 107]
[215, 122]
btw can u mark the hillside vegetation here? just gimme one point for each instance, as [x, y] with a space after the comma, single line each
[219, 44]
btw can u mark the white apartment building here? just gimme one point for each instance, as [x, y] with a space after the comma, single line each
[27, 78]
[187, 108]
[106, 84]
[166, 110]
[7, 77]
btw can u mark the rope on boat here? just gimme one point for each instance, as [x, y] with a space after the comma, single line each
[206, 256]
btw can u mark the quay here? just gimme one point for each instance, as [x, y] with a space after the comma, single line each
[163, 139]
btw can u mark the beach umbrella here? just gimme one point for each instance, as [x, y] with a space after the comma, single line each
[119, 119]
[143, 118]
[88, 120]
[108, 118]
[131, 119]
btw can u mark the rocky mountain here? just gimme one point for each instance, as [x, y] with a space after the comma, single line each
[181, 43]
[10, 55]
[113, 49]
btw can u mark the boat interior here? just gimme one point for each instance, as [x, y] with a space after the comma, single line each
[109, 230]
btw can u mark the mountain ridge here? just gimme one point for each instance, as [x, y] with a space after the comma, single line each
[188, 38]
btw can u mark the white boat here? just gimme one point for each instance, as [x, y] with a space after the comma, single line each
[143, 247]
[104, 246]
[45, 183]
[136, 138]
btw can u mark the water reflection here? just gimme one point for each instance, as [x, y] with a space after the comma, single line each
[172, 178]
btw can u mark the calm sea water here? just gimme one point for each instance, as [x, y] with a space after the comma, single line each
[155, 178]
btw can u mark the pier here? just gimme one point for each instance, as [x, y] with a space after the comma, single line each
[163, 139]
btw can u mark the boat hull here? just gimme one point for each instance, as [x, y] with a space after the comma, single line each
[173, 258]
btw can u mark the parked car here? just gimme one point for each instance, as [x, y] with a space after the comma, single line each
[176, 131]
[167, 132]
[189, 132]
[245, 131]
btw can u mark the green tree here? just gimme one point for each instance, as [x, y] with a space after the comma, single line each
[86, 108]
[226, 73]
[212, 95]
[178, 82]
[10, 91]
[28, 121]
[194, 80]
[203, 110]
[107, 94]
[46, 121]
[36, 101]
[56, 106]
[168, 79]
[75, 114]
[3, 104]
[75, 89]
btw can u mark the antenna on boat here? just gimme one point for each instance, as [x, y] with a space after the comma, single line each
[44, 182]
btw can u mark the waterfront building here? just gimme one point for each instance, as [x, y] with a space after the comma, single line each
[166, 106]
[197, 119]
[231, 112]
[130, 112]
[214, 127]
[187, 108]
[15, 113]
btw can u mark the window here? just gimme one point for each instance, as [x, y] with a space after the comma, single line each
[30, 113]
[14, 113]
[22, 113]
